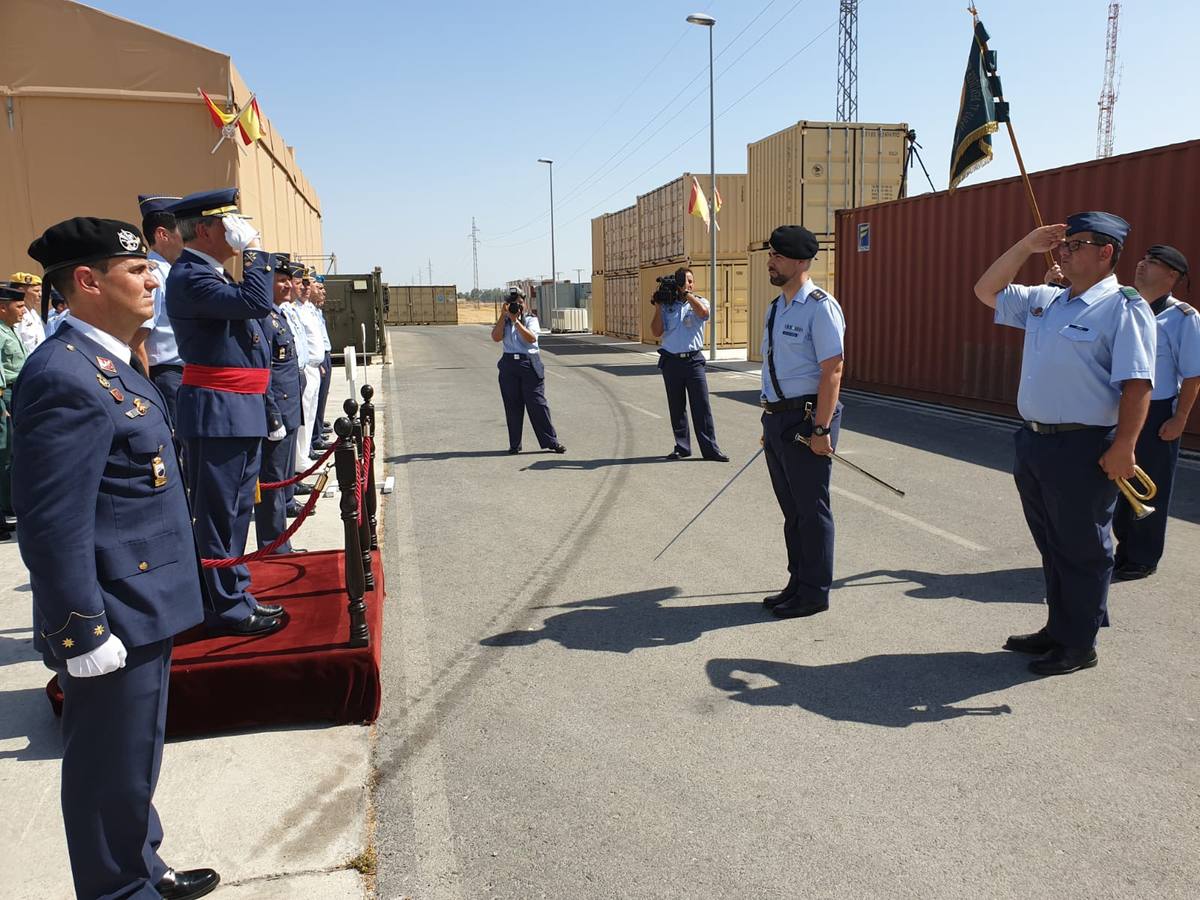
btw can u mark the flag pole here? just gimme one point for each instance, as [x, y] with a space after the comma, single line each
[1033, 204]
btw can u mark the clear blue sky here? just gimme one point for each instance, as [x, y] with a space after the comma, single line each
[412, 117]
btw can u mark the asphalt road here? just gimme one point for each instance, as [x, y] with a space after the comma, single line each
[566, 718]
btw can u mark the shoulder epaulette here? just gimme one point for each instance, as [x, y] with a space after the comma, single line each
[817, 294]
[1130, 293]
[1185, 308]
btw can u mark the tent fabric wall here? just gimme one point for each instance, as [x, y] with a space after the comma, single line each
[91, 130]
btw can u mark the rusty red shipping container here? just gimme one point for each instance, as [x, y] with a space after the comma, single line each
[906, 270]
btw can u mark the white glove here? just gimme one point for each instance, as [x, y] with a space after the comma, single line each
[108, 657]
[239, 233]
[278, 434]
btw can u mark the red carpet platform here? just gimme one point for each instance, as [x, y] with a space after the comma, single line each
[303, 673]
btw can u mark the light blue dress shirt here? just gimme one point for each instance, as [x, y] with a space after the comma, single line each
[1078, 350]
[161, 349]
[299, 332]
[55, 320]
[1178, 355]
[807, 332]
[514, 343]
[683, 330]
[320, 311]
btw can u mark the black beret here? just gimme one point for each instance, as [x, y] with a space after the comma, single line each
[83, 240]
[1169, 256]
[794, 242]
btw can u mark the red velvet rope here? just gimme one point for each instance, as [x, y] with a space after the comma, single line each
[296, 479]
[360, 483]
[271, 547]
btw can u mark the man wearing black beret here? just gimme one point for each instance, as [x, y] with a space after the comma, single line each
[112, 560]
[1140, 542]
[801, 379]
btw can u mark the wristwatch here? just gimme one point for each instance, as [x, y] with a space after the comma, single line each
[820, 431]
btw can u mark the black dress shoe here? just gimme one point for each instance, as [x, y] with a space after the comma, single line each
[718, 457]
[558, 448]
[796, 608]
[292, 510]
[188, 884]
[1037, 643]
[677, 454]
[326, 426]
[304, 489]
[320, 446]
[775, 599]
[1132, 572]
[514, 450]
[253, 624]
[5, 534]
[1064, 660]
[268, 610]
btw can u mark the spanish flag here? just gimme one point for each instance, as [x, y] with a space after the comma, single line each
[219, 118]
[250, 122]
[698, 203]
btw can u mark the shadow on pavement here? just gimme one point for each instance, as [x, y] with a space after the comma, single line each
[440, 455]
[1002, 586]
[622, 623]
[567, 347]
[634, 369]
[892, 690]
[26, 714]
[588, 465]
[17, 649]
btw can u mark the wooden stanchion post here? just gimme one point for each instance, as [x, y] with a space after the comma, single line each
[364, 526]
[347, 474]
[368, 419]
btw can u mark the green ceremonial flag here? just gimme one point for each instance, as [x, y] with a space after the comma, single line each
[980, 111]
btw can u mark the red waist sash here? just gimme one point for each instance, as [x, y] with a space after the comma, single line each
[232, 379]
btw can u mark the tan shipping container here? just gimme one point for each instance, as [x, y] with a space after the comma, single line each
[598, 267]
[667, 232]
[733, 299]
[599, 322]
[762, 292]
[805, 173]
[422, 304]
[621, 241]
[622, 313]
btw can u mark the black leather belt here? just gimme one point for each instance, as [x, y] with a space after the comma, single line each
[178, 366]
[687, 355]
[517, 355]
[1043, 428]
[789, 404]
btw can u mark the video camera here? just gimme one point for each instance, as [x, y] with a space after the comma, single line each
[669, 290]
[515, 302]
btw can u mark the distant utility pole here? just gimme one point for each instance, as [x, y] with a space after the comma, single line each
[475, 256]
[579, 276]
[847, 79]
[430, 271]
[1108, 93]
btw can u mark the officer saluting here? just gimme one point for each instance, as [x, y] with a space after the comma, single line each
[801, 380]
[522, 375]
[111, 557]
[1087, 367]
[1176, 383]
[222, 416]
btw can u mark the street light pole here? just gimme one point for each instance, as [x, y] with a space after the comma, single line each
[708, 22]
[553, 269]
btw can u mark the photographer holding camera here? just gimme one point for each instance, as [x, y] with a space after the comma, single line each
[679, 317]
[522, 375]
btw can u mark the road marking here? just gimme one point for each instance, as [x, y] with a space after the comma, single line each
[555, 374]
[639, 409]
[909, 520]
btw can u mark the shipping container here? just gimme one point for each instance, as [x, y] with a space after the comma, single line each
[622, 309]
[422, 304]
[668, 233]
[907, 270]
[621, 241]
[732, 299]
[599, 307]
[762, 292]
[353, 302]
[598, 245]
[805, 173]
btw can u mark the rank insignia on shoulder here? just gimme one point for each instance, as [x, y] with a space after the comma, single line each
[817, 294]
[104, 382]
[106, 365]
[140, 405]
[1185, 308]
[1130, 293]
[160, 471]
[1037, 311]
[117, 395]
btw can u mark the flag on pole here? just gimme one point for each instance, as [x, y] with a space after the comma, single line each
[247, 121]
[250, 122]
[698, 203]
[980, 110]
[220, 118]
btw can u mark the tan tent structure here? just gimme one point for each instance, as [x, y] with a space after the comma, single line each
[95, 109]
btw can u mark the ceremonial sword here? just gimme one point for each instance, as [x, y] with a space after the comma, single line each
[711, 502]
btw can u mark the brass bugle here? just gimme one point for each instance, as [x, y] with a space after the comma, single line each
[1135, 497]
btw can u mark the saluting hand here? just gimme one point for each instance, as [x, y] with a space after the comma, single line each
[1118, 462]
[1045, 239]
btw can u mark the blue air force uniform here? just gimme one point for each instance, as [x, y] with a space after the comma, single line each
[110, 553]
[799, 336]
[523, 386]
[166, 367]
[283, 411]
[1140, 542]
[681, 361]
[1078, 352]
[222, 413]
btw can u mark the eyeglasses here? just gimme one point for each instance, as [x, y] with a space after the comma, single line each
[1073, 246]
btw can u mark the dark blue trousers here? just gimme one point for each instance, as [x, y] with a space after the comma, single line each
[1141, 541]
[222, 473]
[270, 517]
[321, 398]
[112, 727]
[167, 379]
[686, 382]
[801, 482]
[523, 389]
[1068, 503]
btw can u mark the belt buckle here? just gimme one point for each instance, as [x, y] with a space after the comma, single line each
[516, 356]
